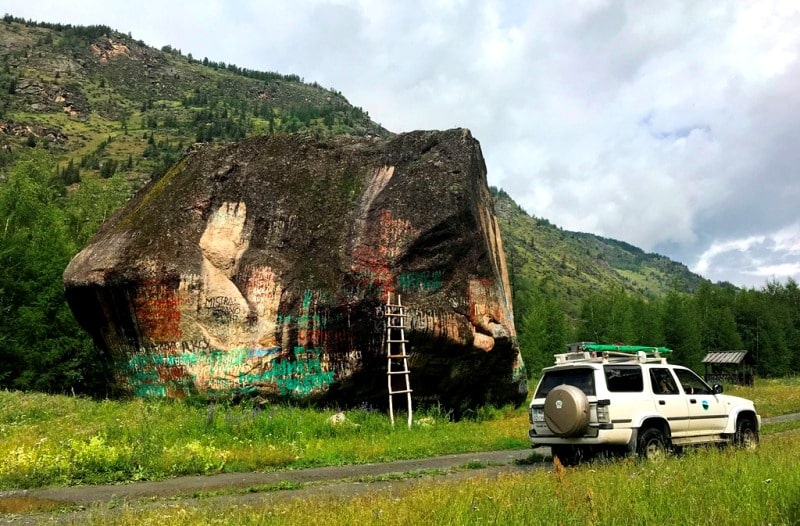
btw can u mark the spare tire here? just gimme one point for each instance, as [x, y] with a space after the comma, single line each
[566, 411]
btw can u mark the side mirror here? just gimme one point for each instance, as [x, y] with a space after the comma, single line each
[717, 389]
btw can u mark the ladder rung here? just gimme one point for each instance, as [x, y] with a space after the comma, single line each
[396, 321]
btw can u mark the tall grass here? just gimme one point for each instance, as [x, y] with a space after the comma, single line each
[60, 440]
[772, 396]
[709, 486]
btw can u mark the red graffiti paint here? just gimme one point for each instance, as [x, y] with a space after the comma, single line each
[157, 314]
[376, 255]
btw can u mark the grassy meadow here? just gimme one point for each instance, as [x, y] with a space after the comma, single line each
[772, 396]
[706, 486]
[61, 440]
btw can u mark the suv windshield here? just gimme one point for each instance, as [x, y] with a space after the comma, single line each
[582, 378]
[691, 383]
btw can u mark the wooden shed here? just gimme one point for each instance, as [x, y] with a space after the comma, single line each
[736, 367]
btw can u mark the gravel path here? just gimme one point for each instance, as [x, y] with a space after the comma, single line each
[333, 480]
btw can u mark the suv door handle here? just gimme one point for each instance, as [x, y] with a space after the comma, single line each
[662, 402]
[692, 401]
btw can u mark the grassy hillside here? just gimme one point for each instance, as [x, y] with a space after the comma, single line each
[567, 266]
[110, 104]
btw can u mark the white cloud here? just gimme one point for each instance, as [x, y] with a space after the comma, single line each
[754, 259]
[672, 126]
[783, 270]
[718, 248]
[787, 240]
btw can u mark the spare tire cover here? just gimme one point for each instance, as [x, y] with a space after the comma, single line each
[566, 411]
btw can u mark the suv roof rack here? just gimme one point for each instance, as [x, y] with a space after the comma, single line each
[593, 352]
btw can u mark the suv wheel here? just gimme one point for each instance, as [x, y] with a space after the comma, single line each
[746, 436]
[652, 443]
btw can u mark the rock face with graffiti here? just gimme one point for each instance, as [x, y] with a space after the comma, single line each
[262, 268]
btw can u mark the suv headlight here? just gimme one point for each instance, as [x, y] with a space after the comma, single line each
[537, 414]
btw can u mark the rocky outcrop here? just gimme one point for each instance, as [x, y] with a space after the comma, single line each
[106, 48]
[25, 130]
[262, 267]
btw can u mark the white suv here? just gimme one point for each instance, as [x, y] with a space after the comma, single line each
[628, 399]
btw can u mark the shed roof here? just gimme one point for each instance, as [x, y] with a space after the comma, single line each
[725, 357]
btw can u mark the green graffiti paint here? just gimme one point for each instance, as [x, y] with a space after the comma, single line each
[428, 280]
[146, 384]
[519, 373]
[297, 375]
[300, 375]
[307, 297]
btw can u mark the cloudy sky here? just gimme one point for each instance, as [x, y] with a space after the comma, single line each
[674, 126]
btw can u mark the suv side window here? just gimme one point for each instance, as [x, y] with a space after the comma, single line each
[582, 378]
[662, 381]
[692, 384]
[624, 378]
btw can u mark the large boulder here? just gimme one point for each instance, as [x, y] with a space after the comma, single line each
[262, 268]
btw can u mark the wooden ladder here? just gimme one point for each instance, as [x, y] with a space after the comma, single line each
[397, 358]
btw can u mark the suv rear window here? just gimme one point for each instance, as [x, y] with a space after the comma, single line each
[624, 378]
[582, 378]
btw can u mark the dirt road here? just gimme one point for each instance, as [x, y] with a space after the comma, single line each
[69, 505]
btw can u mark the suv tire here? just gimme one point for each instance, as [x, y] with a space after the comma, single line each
[566, 411]
[652, 443]
[746, 436]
